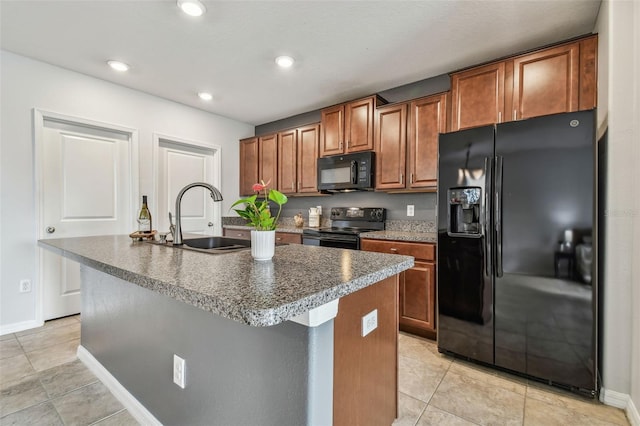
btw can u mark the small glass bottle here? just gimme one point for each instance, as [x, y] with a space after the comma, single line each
[144, 218]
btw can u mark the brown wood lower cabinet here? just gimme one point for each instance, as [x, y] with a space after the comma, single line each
[417, 288]
[365, 378]
[281, 237]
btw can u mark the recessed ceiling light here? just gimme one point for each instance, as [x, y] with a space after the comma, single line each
[191, 7]
[284, 61]
[118, 66]
[205, 96]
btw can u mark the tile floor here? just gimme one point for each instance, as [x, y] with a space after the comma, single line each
[43, 383]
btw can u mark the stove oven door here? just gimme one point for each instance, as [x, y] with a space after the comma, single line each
[338, 241]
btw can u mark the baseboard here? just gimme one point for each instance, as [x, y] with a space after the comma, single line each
[621, 400]
[135, 408]
[19, 326]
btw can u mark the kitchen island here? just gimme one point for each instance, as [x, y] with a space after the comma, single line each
[276, 342]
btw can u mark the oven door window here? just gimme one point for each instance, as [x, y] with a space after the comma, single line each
[347, 243]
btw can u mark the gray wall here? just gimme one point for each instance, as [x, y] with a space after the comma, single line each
[235, 374]
[409, 91]
[396, 204]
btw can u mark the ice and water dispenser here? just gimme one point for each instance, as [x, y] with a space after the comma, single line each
[464, 211]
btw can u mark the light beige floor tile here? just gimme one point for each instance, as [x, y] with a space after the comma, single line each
[409, 410]
[14, 369]
[47, 325]
[87, 405]
[23, 395]
[43, 414]
[66, 377]
[9, 348]
[423, 350]
[123, 418]
[9, 336]
[418, 379]
[489, 377]
[594, 409]
[477, 401]
[49, 357]
[436, 417]
[50, 336]
[539, 413]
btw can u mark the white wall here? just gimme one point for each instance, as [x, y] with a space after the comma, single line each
[28, 84]
[618, 103]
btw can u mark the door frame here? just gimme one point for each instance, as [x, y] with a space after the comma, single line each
[39, 118]
[216, 151]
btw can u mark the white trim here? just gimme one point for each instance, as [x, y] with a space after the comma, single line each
[39, 117]
[19, 326]
[319, 315]
[135, 408]
[621, 400]
[217, 170]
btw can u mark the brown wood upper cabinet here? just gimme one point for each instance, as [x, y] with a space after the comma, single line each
[248, 165]
[406, 143]
[297, 157]
[348, 127]
[548, 81]
[268, 159]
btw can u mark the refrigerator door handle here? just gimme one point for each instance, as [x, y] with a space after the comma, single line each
[487, 215]
[498, 216]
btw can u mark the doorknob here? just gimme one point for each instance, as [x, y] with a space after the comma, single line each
[50, 229]
[210, 224]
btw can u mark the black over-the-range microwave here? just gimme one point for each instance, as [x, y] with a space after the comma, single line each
[348, 172]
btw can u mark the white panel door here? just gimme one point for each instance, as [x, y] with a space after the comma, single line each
[179, 165]
[86, 191]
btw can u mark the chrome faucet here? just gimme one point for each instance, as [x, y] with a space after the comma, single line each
[215, 194]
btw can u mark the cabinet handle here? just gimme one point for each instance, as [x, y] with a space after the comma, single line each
[393, 249]
[340, 145]
[411, 177]
[514, 115]
[401, 178]
[348, 144]
[293, 186]
[279, 238]
[298, 186]
[499, 116]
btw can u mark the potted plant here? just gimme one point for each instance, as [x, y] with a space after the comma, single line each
[258, 214]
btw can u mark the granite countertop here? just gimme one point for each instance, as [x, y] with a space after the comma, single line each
[233, 285]
[418, 237]
[289, 229]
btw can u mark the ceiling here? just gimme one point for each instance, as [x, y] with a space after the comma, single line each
[343, 49]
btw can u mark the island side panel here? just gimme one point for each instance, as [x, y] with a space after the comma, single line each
[235, 373]
[366, 368]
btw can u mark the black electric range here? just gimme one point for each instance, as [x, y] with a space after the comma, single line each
[347, 223]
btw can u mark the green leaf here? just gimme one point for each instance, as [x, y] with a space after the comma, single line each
[248, 200]
[277, 197]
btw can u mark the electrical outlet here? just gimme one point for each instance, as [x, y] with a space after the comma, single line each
[410, 210]
[369, 322]
[178, 371]
[25, 286]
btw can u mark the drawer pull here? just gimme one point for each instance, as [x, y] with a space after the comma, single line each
[393, 249]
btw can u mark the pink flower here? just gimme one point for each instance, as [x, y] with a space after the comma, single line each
[257, 187]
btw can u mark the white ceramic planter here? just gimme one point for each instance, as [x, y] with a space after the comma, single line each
[263, 244]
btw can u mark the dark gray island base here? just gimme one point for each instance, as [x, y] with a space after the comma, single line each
[264, 343]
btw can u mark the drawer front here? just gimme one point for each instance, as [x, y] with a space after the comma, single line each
[288, 237]
[423, 251]
[244, 234]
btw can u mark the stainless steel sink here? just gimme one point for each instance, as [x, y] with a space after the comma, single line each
[218, 243]
[212, 245]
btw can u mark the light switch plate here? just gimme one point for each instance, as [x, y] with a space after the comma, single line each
[410, 210]
[178, 371]
[369, 322]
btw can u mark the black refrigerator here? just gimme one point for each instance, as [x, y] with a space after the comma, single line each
[516, 248]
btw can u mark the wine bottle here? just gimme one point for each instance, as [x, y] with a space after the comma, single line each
[144, 218]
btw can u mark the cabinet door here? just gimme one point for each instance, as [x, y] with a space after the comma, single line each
[427, 119]
[244, 234]
[287, 161]
[546, 82]
[268, 159]
[332, 131]
[308, 139]
[391, 144]
[588, 73]
[288, 237]
[477, 96]
[359, 116]
[417, 301]
[248, 165]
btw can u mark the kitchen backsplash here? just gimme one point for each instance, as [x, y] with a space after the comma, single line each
[390, 225]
